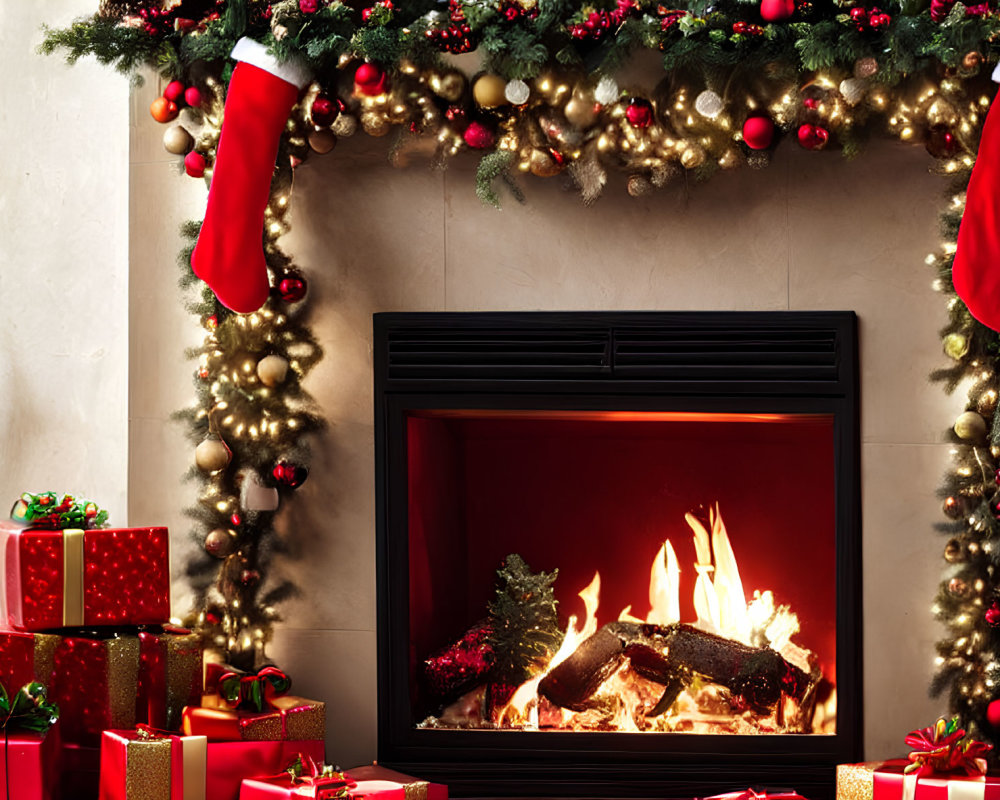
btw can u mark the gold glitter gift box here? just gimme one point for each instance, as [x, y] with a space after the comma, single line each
[137, 766]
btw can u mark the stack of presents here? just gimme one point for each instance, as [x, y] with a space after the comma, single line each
[101, 696]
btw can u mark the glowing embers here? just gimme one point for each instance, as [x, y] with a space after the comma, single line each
[734, 669]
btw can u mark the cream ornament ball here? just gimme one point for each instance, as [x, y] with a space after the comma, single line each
[517, 92]
[970, 426]
[607, 91]
[272, 370]
[212, 454]
[708, 104]
[177, 140]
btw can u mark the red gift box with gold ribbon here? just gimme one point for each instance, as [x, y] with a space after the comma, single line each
[369, 782]
[889, 782]
[108, 681]
[136, 765]
[230, 764]
[289, 719]
[74, 578]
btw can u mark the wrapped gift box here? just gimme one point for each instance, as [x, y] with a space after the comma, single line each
[138, 767]
[370, 782]
[107, 681]
[231, 763]
[884, 780]
[29, 768]
[290, 718]
[72, 578]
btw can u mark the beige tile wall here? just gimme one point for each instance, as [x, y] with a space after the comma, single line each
[811, 232]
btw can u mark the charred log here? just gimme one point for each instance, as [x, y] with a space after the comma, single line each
[670, 655]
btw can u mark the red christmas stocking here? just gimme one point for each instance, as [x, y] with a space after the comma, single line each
[229, 256]
[976, 269]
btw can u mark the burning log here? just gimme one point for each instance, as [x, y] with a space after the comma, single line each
[672, 655]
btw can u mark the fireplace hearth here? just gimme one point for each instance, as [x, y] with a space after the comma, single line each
[618, 552]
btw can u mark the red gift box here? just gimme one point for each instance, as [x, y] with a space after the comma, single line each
[72, 578]
[29, 767]
[369, 782]
[231, 763]
[107, 683]
[290, 718]
[886, 781]
[135, 766]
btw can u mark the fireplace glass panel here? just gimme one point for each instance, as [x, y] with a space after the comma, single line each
[598, 493]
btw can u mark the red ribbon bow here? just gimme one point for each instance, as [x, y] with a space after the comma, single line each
[240, 690]
[943, 748]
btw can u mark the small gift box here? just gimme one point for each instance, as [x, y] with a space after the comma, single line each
[231, 763]
[252, 707]
[374, 782]
[145, 764]
[71, 576]
[303, 779]
[29, 764]
[758, 794]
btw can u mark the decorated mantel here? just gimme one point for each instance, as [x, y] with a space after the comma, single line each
[253, 90]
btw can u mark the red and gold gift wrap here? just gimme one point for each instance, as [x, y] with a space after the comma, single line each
[29, 764]
[107, 683]
[139, 767]
[285, 787]
[74, 578]
[289, 719]
[884, 780]
[370, 782]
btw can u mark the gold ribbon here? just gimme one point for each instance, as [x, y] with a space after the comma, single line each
[415, 791]
[72, 540]
[123, 677]
[148, 767]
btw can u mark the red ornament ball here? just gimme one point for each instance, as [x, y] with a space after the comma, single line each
[813, 137]
[993, 713]
[163, 110]
[290, 475]
[324, 110]
[478, 136]
[192, 96]
[174, 91]
[639, 112]
[993, 615]
[776, 10]
[370, 79]
[194, 164]
[292, 289]
[758, 132]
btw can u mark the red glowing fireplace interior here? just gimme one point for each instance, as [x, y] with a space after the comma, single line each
[586, 493]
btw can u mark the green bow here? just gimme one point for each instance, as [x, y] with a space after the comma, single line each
[29, 710]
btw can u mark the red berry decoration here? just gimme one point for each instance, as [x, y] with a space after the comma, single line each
[478, 136]
[194, 164]
[776, 10]
[370, 80]
[639, 112]
[457, 37]
[290, 475]
[598, 23]
[813, 137]
[993, 615]
[292, 289]
[758, 133]
[192, 96]
[174, 91]
[324, 110]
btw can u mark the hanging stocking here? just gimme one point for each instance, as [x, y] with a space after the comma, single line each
[229, 255]
[976, 269]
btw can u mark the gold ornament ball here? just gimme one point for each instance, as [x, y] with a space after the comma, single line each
[220, 542]
[639, 185]
[865, 67]
[448, 86]
[489, 91]
[322, 141]
[211, 455]
[955, 345]
[970, 426]
[693, 156]
[958, 587]
[953, 552]
[941, 112]
[344, 126]
[972, 59]
[542, 164]
[177, 140]
[580, 112]
[272, 370]
[375, 124]
[987, 403]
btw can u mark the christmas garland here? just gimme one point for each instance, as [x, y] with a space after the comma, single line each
[738, 77]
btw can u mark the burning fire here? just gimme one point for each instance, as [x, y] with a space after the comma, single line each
[721, 607]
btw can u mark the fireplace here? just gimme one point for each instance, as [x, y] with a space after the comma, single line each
[618, 552]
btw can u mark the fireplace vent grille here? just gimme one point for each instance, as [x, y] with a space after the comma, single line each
[480, 353]
[733, 354]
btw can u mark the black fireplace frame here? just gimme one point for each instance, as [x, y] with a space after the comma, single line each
[743, 362]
